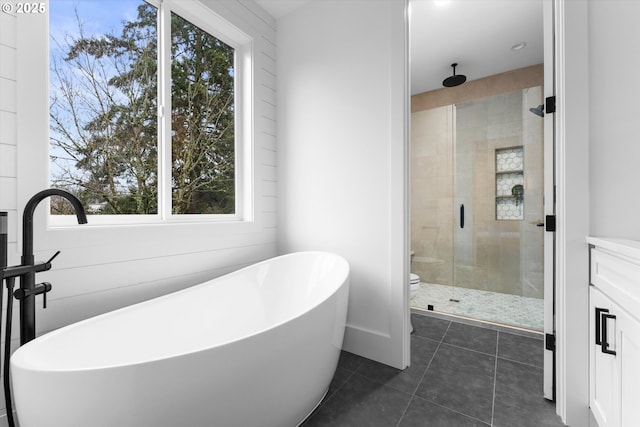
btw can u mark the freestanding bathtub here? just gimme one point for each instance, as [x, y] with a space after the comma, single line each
[256, 347]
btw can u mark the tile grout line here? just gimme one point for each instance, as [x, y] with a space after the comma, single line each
[485, 324]
[413, 394]
[440, 343]
[495, 376]
[468, 349]
[405, 411]
[329, 397]
[419, 403]
[431, 360]
[519, 362]
[452, 410]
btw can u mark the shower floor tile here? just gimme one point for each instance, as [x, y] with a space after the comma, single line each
[513, 310]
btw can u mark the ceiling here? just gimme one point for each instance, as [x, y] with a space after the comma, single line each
[477, 34]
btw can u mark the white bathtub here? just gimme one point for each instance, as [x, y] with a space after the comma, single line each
[257, 347]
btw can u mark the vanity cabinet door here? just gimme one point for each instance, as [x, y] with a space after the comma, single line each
[603, 390]
[614, 363]
[629, 369]
[614, 332]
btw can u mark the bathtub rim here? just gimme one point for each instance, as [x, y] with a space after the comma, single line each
[17, 362]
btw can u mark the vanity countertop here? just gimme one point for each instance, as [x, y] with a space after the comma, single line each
[630, 248]
[615, 271]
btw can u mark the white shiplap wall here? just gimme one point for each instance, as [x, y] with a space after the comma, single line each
[8, 84]
[103, 268]
[8, 140]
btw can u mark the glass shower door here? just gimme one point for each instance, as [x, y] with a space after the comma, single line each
[432, 200]
[497, 253]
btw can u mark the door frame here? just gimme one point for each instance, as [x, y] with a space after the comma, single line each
[549, 366]
[570, 27]
[571, 35]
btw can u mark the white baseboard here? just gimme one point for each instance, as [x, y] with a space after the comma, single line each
[366, 343]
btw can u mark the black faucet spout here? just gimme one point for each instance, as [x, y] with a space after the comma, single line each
[28, 280]
[29, 210]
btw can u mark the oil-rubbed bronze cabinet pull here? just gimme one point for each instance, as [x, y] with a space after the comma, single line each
[462, 215]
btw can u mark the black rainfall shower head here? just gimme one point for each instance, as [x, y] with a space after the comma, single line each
[538, 111]
[454, 80]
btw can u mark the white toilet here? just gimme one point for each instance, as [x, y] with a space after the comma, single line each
[414, 287]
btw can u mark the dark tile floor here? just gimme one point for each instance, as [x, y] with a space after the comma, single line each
[460, 375]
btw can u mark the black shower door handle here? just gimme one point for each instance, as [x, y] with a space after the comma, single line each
[462, 215]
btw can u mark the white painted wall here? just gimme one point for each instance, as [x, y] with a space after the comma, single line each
[601, 160]
[342, 98]
[103, 268]
[600, 155]
[614, 123]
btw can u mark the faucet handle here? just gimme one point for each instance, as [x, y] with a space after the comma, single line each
[40, 288]
[47, 265]
[45, 291]
[53, 257]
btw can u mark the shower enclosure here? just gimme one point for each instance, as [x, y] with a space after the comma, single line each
[477, 208]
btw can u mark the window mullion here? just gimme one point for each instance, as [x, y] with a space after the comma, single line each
[164, 111]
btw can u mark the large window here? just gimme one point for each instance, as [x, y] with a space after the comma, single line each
[143, 106]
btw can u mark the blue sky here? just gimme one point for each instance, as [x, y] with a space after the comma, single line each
[98, 16]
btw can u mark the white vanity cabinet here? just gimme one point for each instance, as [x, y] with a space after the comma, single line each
[614, 331]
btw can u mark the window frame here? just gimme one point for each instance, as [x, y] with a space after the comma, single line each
[209, 21]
